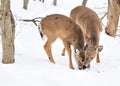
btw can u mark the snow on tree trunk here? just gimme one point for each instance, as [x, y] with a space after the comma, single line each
[7, 25]
[113, 17]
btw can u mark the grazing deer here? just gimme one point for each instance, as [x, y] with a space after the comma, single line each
[91, 27]
[59, 26]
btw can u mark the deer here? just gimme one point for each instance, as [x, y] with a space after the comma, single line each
[60, 26]
[91, 27]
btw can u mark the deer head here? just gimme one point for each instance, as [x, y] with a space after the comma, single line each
[90, 53]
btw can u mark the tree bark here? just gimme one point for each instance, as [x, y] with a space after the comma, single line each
[42, 1]
[84, 2]
[55, 2]
[113, 17]
[25, 4]
[7, 25]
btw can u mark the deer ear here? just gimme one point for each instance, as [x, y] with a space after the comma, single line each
[99, 48]
[86, 47]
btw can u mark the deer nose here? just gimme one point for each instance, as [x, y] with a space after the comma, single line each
[84, 67]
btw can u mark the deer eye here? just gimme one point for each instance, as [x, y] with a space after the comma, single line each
[92, 58]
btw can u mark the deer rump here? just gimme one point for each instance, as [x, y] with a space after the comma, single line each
[91, 27]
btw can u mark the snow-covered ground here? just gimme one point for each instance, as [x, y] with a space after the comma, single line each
[32, 67]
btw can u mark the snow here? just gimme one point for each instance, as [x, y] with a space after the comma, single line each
[32, 67]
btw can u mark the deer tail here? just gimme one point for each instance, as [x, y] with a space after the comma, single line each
[40, 31]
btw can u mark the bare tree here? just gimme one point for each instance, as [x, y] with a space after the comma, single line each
[113, 17]
[25, 4]
[42, 1]
[54, 2]
[84, 2]
[7, 25]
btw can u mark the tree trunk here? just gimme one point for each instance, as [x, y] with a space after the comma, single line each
[113, 17]
[7, 25]
[42, 1]
[25, 4]
[84, 2]
[55, 2]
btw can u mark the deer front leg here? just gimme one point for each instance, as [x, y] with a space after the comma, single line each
[68, 48]
[63, 52]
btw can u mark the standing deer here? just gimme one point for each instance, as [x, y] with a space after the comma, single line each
[59, 26]
[91, 27]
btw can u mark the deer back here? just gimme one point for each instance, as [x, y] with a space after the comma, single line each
[62, 27]
[89, 22]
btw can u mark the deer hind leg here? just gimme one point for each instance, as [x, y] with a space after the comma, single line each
[68, 48]
[63, 52]
[47, 48]
[98, 58]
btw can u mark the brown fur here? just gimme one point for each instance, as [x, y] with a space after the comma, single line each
[91, 26]
[60, 26]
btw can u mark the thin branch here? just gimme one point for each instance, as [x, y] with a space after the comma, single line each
[103, 16]
[34, 20]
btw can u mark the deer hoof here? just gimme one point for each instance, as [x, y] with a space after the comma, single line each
[63, 54]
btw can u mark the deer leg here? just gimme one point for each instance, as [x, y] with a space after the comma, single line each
[68, 48]
[63, 52]
[47, 48]
[97, 58]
